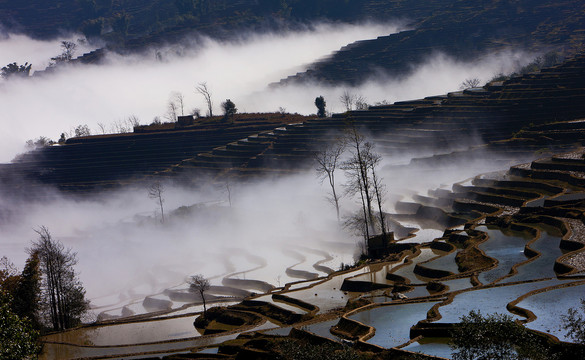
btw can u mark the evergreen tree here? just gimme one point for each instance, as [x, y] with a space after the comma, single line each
[18, 339]
[15, 70]
[229, 109]
[26, 295]
[320, 104]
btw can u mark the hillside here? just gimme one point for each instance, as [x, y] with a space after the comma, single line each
[140, 22]
[462, 30]
[505, 116]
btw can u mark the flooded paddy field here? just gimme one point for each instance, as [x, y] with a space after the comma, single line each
[511, 263]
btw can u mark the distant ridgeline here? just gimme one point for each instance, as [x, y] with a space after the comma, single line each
[461, 29]
[140, 22]
[507, 116]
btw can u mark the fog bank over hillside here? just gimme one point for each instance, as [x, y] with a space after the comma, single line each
[22, 49]
[239, 70]
[122, 245]
[124, 250]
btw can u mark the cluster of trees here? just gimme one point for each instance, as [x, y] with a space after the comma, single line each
[353, 154]
[349, 100]
[14, 70]
[499, 336]
[352, 101]
[68, 49]
[176, 104]
[175, 108]
[47, 295]
[547, 60]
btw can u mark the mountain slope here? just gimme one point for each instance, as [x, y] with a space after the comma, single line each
[465, 31]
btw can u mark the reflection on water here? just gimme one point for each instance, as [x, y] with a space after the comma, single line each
[542, 266]
[431, 346]
[507, 249]
[130, 333]
[446, 263]
[550, 306]
[488, 301]
[393, 322]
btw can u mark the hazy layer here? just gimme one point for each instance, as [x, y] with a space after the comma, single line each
[239, 70]
[141, 85]
[121, 248]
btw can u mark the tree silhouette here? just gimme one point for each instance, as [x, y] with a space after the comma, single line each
[206, 93]
[320, 104]
[62, 295]
[229, 109]
[15, 70]
[200, 284]
[155, 191]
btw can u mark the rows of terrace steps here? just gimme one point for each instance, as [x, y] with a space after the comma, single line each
[446, 118]
[295, 143]
[487, 196]
[480, 112]
[104, 160]
[396, 52]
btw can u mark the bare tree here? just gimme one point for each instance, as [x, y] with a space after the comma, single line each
[228, 188]
[373, 160]
[156, 191]
[102, 127]
[200, 284]
[363, 180]
[180, 102]
[68, 50]
[82, 130]
[469, 83]
[7, 268]
[175, 106]
[327, 162]
[122, 126]
[204, 90]
[361, 103]
[359, 182]
[133, 121]
[347, 100]
[63, 296]
[172, 109]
